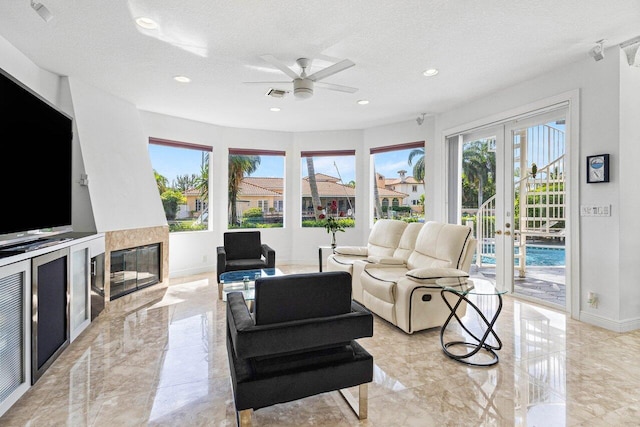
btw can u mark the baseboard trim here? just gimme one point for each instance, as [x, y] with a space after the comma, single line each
[612, 325]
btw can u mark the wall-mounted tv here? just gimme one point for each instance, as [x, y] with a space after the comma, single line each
[36, 140]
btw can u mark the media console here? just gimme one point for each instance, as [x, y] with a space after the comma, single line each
[22, 248]
[45, 296]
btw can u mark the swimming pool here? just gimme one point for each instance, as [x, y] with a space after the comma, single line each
[537, 256]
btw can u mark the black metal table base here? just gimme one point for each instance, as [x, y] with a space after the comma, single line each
[479, 343]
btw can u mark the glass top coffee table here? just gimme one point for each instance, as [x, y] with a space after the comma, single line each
[243, 281]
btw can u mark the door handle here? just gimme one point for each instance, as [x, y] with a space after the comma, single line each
[507, 233]
[498, 231]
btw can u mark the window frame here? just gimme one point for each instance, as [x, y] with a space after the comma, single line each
[204, 203]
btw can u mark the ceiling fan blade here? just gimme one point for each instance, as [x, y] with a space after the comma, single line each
[339, 88]
[331, 70]
[267, 83]
[280, 66]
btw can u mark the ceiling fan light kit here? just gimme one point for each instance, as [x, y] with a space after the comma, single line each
[302, 88]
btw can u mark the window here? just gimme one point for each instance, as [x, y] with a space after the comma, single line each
[328, 187]
[256, 187]
[182, 174]
[398, 175]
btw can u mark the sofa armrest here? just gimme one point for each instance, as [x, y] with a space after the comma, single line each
[222, 260]
[386, 260]
[250, 340]
[438, 276]
[351, 250]
[269, 255]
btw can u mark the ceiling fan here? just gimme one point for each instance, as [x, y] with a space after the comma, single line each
[304, 83]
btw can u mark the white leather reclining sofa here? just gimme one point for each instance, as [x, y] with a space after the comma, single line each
[403, 286]
[383, 241]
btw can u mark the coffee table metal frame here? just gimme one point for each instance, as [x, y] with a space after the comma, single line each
[478, 343]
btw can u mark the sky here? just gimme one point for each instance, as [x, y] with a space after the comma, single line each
[171, 162]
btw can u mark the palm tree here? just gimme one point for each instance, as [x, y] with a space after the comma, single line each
[376, 194]
[315, 196]
[418, 167]
[161, 182]
[239, 165]
[201, 182]
[478, 165]
[185, 182]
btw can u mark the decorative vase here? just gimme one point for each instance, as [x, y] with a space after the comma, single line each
[333, 240]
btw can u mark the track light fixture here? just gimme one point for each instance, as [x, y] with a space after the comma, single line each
[597, 52]
[42, 11]
[632, 50]
[420, 120]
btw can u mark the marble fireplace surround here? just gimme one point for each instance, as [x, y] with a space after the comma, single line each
[126, 239]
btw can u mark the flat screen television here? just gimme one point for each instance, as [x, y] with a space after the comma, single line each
[36, 140]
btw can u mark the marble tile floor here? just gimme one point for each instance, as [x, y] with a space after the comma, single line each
[160, 360]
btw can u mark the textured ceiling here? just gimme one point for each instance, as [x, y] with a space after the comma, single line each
[479, 46]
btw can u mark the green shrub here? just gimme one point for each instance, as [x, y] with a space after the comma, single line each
[344, 222]
[170, 201]
[252, 213]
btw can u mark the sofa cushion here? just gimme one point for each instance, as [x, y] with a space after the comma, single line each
[380, 282]
[440, 245]
[385, 236]
[301, 296]
[360, 251]
[243, 245]
[439, 276]
[408, 241]
[385, 260]
[265, 365]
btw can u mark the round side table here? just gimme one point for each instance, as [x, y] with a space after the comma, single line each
[476, 341]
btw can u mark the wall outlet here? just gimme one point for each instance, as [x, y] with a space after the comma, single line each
[592, 300]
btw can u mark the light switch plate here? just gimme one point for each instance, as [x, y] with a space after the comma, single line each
[595, 210]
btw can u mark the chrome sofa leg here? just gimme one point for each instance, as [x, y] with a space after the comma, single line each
[360, 406]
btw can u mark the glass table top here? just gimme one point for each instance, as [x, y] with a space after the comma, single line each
[480, 288]
[234, 281]
[238, 276]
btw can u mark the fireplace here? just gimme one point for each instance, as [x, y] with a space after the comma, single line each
[125, 240]
[133, 269]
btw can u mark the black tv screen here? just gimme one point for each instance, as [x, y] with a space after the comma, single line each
[36, 161]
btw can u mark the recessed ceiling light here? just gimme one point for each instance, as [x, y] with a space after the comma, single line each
[363, 102]
[146, 23]
[182, 79]
[431, 72]
[274, 109]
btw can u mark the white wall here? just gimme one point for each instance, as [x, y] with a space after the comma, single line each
[116, 158]
[628, 179]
